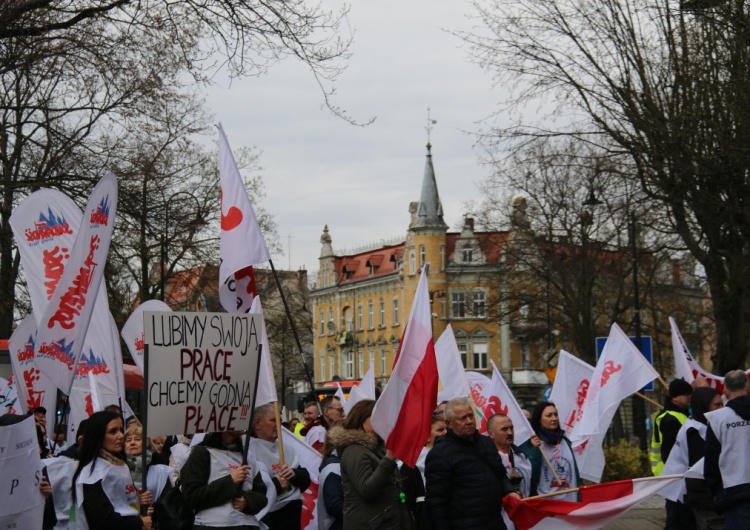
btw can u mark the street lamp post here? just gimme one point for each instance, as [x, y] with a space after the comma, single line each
[639, 406]
[164, 240]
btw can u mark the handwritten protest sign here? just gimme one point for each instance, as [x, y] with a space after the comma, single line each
[202, 369]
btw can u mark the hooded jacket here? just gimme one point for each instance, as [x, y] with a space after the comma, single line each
[727, 463]
[372, 497]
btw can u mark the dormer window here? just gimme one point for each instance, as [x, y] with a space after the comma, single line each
[467, 254]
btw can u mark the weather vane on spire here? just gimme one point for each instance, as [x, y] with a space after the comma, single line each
[430, 123]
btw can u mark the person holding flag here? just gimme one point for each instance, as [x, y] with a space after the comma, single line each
[290, 479]
[224, 492]
[372, 496]
[553, 463]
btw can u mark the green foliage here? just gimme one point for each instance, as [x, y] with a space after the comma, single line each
[624, 461]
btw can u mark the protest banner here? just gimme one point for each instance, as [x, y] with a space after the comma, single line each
[201, 371]
[21, 502]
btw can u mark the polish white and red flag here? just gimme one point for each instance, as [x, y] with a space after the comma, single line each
[600, 504]
[132, 332]
[241, 242]
[64, 324]
[621, 371]
[402, 415]
[569, 395]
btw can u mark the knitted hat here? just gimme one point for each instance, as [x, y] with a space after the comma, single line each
[679, 387]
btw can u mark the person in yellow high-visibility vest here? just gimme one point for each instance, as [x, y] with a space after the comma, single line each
[666, 425]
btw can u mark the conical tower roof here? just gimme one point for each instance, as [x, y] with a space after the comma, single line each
[429, 211]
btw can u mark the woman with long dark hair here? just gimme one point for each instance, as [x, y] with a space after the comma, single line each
[372, 496]
[553, 463]
[103, 490]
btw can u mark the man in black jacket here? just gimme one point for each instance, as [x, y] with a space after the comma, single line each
[465, 476]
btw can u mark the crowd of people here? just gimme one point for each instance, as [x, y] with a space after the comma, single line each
[106, 480]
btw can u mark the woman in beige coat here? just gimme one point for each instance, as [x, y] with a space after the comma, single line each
[372, 496]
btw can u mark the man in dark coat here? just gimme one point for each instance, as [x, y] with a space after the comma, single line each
[465, 476]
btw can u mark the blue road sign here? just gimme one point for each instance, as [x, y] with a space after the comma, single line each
[645, 350]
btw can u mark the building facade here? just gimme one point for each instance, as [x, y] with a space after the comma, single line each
[480, 284]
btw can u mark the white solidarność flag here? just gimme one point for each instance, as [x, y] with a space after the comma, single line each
[510, 407]
[46, 225]
[21, 502]
[621, 371]
[402, 415]
[241, 242]
[569, 396]
[34, 388]
[453, 382]
[62, 329]
[310, 459]
[132, 331]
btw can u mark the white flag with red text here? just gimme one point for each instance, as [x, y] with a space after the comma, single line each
[241, 243]
[508, 405]
[600, 504]
[310, 459]
[65, 322]
[569, 395]
[46, 225]
[686, 367]
[681, 355]
[33, 387]
[266, 380]
[132, 331]
[453, 381]
[621, 371]
[402, 415]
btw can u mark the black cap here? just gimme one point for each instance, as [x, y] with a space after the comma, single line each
[679, 387]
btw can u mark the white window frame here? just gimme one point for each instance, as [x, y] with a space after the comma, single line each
[458, 304]
[480, 354]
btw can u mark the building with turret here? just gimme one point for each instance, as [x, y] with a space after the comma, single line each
[478, 283]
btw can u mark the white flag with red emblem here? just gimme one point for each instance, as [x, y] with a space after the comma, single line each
[569, 395]
[402, 415]
[622, 371]
[310, 459]
[132, 331]
[508, 405]
[686, 367]
[65, 322]
[33, 387]
[241, 243]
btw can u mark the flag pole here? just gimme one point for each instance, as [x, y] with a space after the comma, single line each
[551, 467]
[308, 375]
[246, 449]
[278, 430]
[144, 431]
[646, 398]
[553, 493]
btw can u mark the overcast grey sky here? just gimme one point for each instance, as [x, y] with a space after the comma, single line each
[320, 170]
